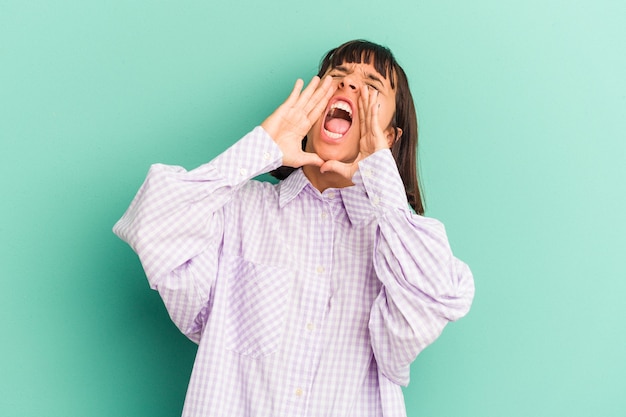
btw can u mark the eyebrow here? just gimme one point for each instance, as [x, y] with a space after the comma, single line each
[369, 75]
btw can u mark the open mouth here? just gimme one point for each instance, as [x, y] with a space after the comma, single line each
[338, 119]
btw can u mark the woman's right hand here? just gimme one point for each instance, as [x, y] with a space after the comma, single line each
[293, 119]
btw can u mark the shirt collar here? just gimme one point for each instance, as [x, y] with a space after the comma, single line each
[357, 204]
[291, 186]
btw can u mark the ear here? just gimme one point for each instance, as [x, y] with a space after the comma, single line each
[393, 135]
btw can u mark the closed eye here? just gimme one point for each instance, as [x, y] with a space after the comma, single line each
[336, 75]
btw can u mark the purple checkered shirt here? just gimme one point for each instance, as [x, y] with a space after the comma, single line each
[303, 303]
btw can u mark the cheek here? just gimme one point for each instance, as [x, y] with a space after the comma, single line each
[385, 114]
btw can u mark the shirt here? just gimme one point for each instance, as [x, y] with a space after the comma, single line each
[303, 303]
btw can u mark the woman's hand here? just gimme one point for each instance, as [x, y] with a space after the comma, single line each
[293, 119]
[372, 136]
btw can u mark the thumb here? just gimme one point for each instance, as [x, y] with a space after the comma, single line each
[308, 158]
[345, 170]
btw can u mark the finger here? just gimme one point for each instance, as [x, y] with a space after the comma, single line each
[308, 158]
[307, 92]
[319, 100]
[367, 109]
[373, 105]
[334, 166]
[375, 124]
[345, 170]
[318, 95]
[293, 96]
[362, 113]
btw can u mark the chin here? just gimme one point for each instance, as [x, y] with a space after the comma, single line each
[333, 153]
[332, 150]
[339, 157]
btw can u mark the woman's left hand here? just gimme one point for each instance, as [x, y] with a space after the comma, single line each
[372, 136]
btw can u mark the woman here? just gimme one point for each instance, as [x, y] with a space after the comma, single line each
[312, 296]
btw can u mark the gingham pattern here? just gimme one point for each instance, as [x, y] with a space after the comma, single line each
[303, 303]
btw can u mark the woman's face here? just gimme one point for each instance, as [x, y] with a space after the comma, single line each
[336, 134]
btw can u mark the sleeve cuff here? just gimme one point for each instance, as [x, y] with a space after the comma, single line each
[382, 182]
[254, 154]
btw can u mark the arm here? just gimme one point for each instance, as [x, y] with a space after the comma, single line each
[423, 285]
[175, 223]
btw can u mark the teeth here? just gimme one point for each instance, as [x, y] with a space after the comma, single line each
[343, 106]
[332, 135]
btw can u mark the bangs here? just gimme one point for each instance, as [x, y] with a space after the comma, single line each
[359, 52]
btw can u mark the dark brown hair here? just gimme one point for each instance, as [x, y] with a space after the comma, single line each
[404, 150]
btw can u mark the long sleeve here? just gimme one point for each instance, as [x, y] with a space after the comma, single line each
[175, 223]
[423, 285]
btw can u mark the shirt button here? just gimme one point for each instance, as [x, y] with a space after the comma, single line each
[324, 215]
[267, 156]
[319, 269]
[331, 195]
[299, 392]
[243, 172]
[368, 173]
[310, 327]
[376, 200]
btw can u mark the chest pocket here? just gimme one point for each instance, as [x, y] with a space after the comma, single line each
[258, 302]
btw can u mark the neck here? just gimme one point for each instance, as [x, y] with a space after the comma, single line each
[325, 180]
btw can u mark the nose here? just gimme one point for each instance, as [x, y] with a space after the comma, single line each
[349, 82]
[345, 84]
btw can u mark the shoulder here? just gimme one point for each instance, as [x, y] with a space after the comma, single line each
[256, 195]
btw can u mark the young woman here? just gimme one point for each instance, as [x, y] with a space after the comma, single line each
[313, 296]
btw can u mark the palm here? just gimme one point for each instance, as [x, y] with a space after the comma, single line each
[372, 136]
